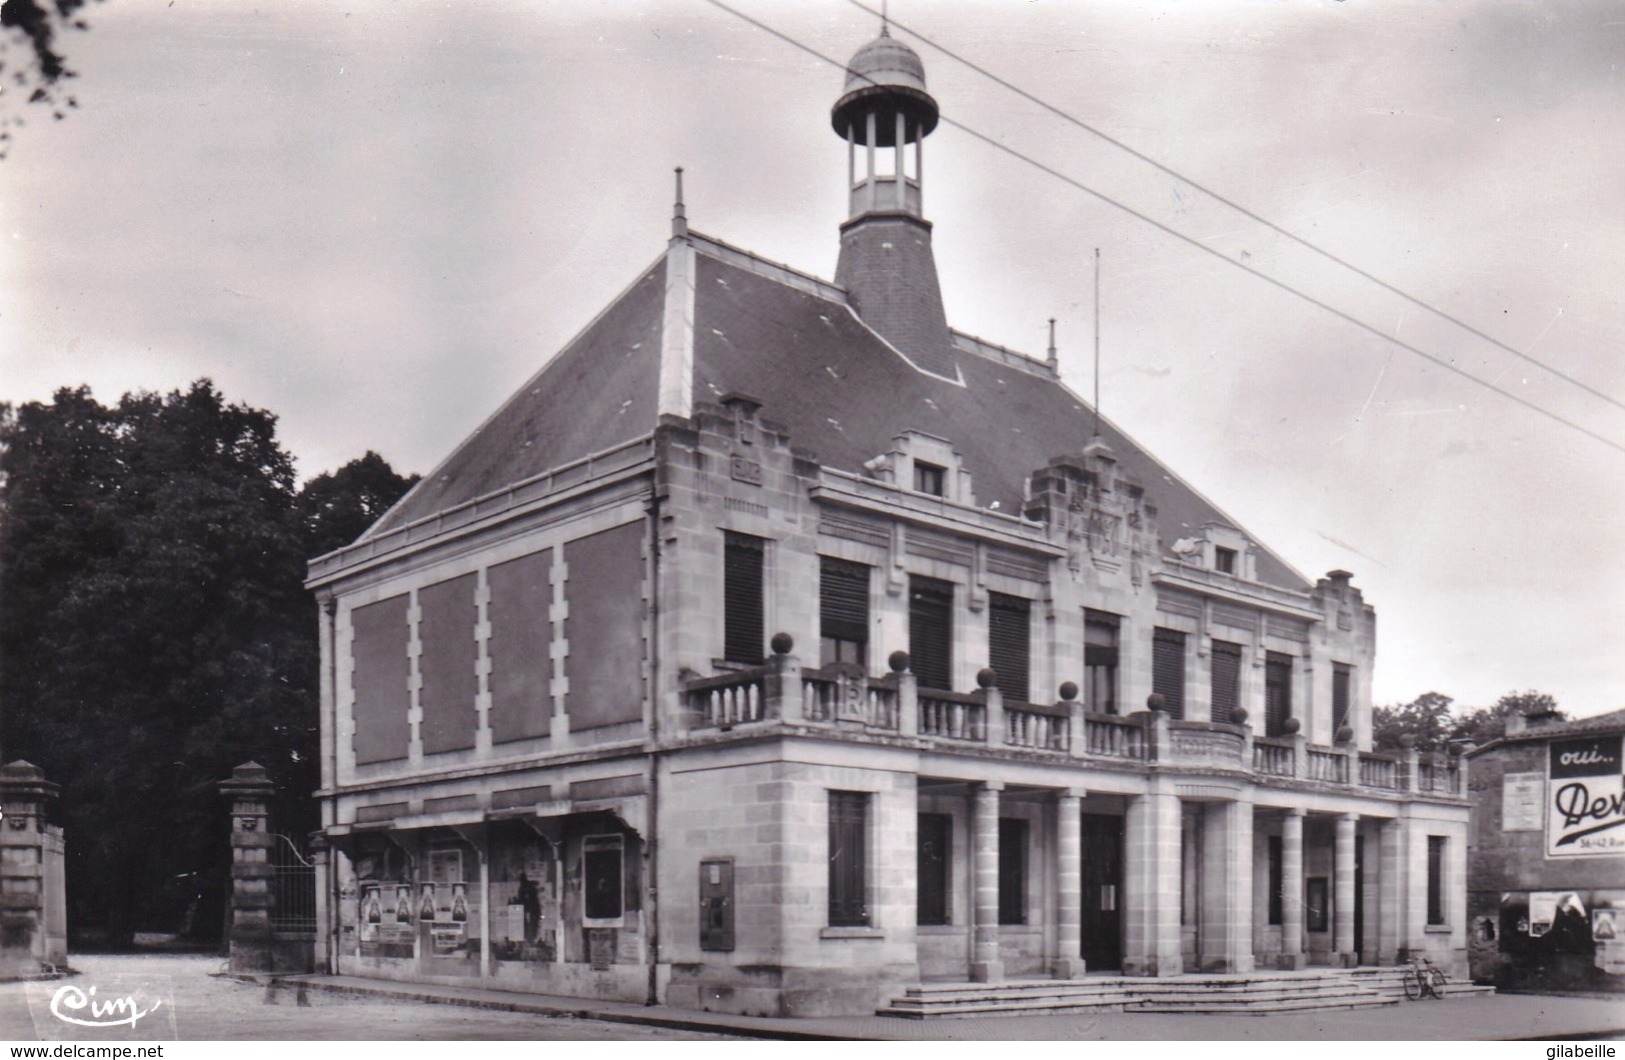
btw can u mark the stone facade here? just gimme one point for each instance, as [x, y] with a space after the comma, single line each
[592, 727]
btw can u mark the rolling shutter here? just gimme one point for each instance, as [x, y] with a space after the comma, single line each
[1277, 692]
[930, 632]
[1009, 644]
[1226, 679]
[742, 598]
[843, 600]
[1168, 669]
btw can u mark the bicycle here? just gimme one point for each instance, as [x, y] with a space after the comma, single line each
[1424, 980]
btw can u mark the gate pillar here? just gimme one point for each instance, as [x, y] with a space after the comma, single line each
[250, 790]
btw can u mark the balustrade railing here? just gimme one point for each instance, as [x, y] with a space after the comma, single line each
[1039, 729]
[1378, 771]
[1327, 765]
[1113, 737]
[1273, 757]
[727, 700]
[836, 696]
[952, 716]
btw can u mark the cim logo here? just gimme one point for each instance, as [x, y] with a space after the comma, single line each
[72, 1005]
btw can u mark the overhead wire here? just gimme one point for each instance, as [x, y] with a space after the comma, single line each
[1182, 237]
[1243, 210]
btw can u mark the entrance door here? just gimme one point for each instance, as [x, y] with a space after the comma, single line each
[1359, 899]
[1102, 919]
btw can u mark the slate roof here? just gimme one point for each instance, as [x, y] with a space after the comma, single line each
[601, 390]
[840, 389]
[1612, 721]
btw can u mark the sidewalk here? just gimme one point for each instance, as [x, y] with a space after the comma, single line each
[1485, 1018]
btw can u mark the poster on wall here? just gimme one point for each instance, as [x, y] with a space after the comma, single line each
[1585, 814]
[1522, 797]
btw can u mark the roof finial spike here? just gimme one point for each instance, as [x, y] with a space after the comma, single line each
[1052, 359]
[885, 29]
[679, 218]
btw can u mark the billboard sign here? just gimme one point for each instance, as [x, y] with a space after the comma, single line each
[1585, 811]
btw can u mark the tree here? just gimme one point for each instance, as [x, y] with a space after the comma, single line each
[1426, 719]
[37, 25]
[157, 632]
[338, 506]
[1490, 723]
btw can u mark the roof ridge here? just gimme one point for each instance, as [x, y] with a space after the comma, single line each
[726, 253]
[1001, 353]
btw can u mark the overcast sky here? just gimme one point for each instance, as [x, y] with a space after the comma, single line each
[377, 220]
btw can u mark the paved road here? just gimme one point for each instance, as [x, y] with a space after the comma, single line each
[196, 1005]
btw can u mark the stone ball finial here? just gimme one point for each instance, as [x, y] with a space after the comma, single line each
[987, 677]
[898, 661]
[1345, 734]
[1069, 691]
[1291, 726]
[782, 643]
[1239, 716]
[1155, 702]
[1407, 740]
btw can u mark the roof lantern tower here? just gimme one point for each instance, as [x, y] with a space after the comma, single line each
[886, 264]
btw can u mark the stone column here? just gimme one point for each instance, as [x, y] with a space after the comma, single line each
[985, 964]
[1343, 900]
[1292, 890]
[31, 896]
[250, 790]
[1152, 827]
[1068, 963]
[1226, 920]
[1393, 885]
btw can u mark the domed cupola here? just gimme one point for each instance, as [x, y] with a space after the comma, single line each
[886, 264]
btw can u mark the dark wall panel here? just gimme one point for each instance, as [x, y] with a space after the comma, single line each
[379, 678]
[521, 634]
[605, 627]
[448, 664]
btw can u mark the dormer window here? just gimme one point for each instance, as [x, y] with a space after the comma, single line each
[929, 478]
[1224, 560]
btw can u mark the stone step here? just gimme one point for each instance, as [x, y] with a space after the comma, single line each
[1026, 1007]
[1303, 1005]
[1252, 997]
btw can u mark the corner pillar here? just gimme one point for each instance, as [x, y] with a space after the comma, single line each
[1151, 933]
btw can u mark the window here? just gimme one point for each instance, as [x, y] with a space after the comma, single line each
[1226, 663]
[1012, 870]
[930, 631]
[1275, 880]
[1340, 696]
[1224, 560]
[848, 858]
[601, 876]
[742, 598]
[1435, 880]
[932, 869]
[929, 478]
[1277, 692]
[1009, 645]
[1100, 660]
[843, 610]
[1168, 669]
